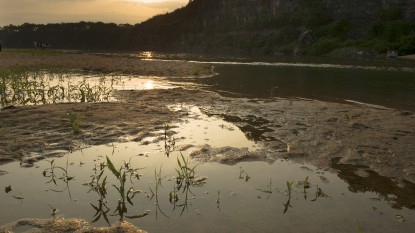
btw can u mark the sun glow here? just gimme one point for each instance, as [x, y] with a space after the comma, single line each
[148, 1]
[149, 85]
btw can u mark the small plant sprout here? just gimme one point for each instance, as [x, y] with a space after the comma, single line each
[197, 70]
[243, 175]
[305, 184]
[54, 210]
[320, 193]
[74, 121]
[289, 187]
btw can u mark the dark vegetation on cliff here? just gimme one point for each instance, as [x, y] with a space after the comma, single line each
[240, 26]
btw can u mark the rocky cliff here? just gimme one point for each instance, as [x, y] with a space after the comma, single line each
[241, 11]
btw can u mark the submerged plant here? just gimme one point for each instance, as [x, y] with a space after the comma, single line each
[57, 173]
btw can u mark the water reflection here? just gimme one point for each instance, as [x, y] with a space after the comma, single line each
[33, 88]
[398, 194]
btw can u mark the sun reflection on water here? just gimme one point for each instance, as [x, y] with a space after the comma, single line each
[149, 85]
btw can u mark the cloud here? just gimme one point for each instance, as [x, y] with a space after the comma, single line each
[168, 4]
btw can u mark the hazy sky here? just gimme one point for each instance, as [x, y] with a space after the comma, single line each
[56, 11]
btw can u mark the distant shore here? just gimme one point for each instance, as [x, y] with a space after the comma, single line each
[408, 57]
[34, 59]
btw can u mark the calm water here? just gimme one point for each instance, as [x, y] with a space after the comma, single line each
[389, 83]
[394, 89]
[248, 196]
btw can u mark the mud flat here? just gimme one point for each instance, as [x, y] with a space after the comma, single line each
[372, 139]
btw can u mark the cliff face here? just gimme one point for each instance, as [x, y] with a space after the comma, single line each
[241, 11]
[368, 10]
[273, 26]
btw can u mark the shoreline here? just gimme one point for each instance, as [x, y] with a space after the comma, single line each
[350, 132]
[408, 57]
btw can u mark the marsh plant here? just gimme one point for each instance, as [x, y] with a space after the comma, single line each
[74, 121]
[99, 185]
[185, 173]
[22, 87]
[185, 180]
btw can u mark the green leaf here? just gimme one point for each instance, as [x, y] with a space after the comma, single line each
[8, 189]
[112, 168]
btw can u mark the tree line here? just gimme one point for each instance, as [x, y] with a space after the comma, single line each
[226, 26]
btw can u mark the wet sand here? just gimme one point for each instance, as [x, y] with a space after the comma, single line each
[375, 139]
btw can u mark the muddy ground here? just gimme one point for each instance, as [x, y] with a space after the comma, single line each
[299, 129]
[374, 139]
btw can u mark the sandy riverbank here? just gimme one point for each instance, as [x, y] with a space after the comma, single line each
[408, 57]
[27, 59]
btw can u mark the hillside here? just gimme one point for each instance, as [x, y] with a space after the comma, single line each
[247, 26]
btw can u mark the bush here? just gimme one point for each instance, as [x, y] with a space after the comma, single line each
[381, 46]
[322, 46]
[407, 45]
[391, 31]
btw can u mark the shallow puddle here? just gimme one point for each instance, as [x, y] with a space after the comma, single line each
[46, 88]
[247, 197]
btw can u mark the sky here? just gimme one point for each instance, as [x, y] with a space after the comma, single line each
[17, 12]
